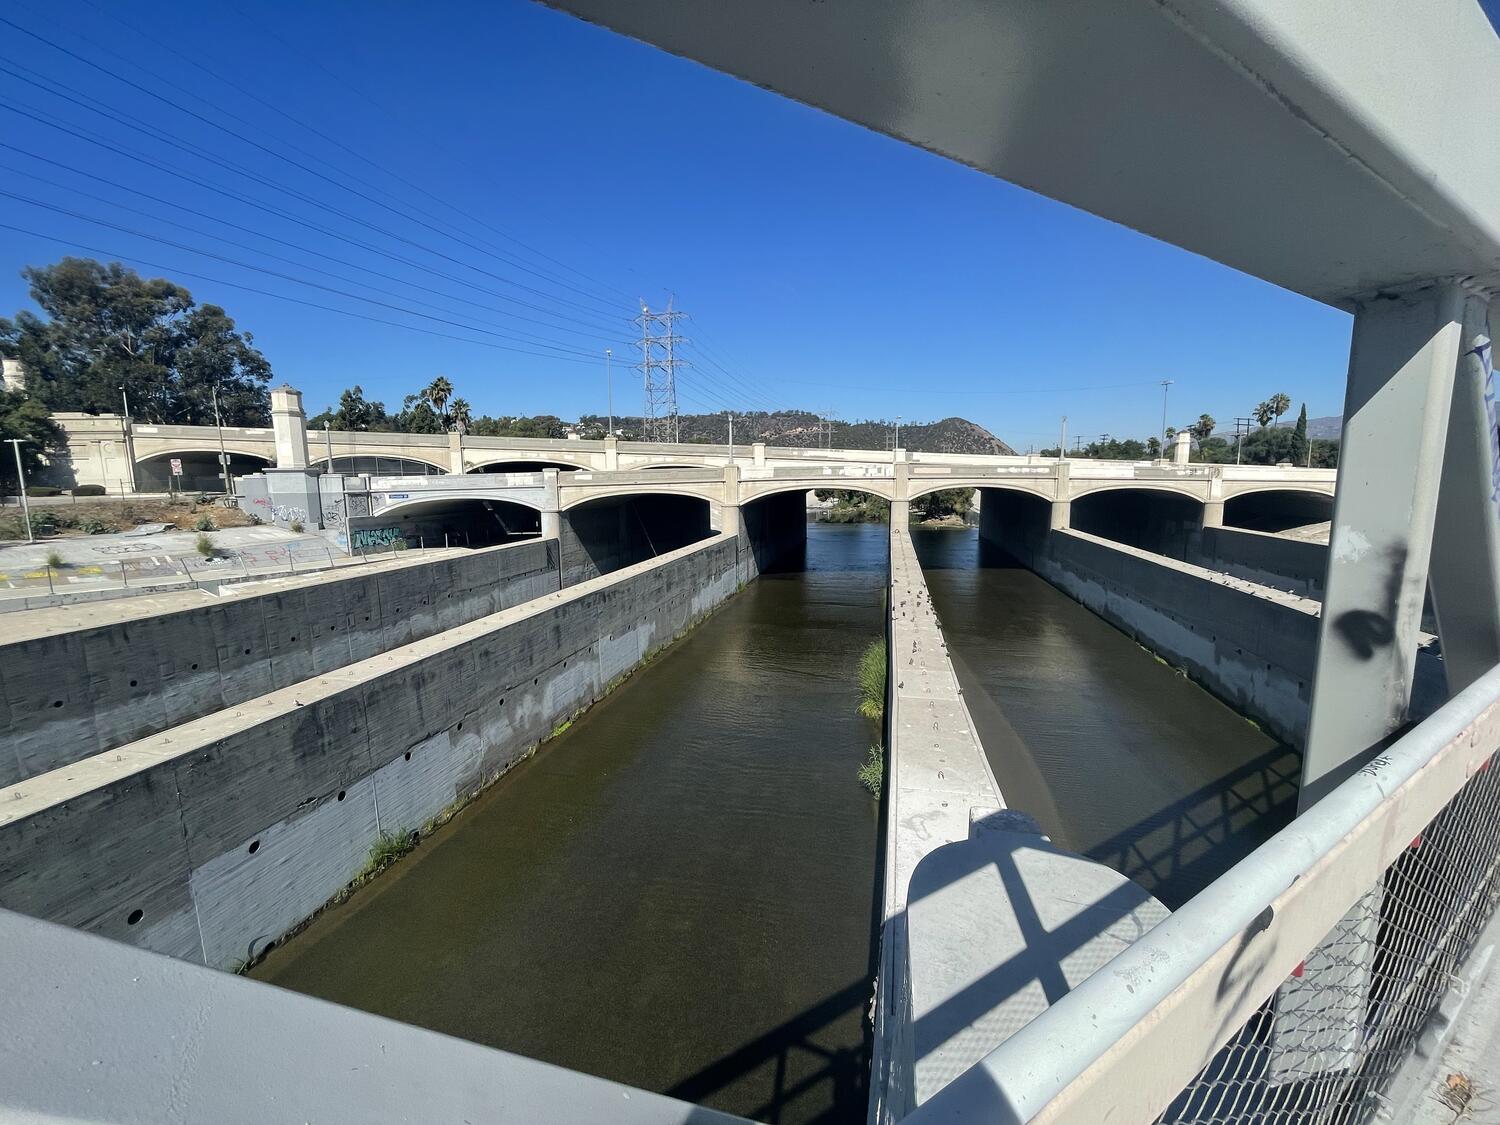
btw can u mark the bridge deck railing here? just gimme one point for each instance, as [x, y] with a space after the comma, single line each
[1298, 984]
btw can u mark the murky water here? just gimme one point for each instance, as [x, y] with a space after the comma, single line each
[1116, 754]
[678, 892]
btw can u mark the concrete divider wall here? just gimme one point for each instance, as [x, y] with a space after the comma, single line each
[214, 839]
[605, 535]
[130, 670]
[1297, 566]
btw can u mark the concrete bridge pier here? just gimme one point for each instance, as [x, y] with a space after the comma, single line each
[1062, 504]
[611, 453]
[724, 517]
[551, 510]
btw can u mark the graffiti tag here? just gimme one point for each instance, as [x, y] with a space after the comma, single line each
[288, 513]
[364, 538]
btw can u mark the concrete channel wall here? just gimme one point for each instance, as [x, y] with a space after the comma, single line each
[1295, 566]
[128, 670]
[213, 839]
[975, 899]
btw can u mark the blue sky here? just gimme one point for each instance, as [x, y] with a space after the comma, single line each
[824, 266]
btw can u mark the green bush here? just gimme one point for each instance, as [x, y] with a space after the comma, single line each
[88, 490]
[205, 523]
[45, 520]
[872, 682]
[42, 490]
[54, 561]
[204, 546]
[93, 527]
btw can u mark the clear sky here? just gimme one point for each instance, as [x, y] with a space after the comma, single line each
[824, 267]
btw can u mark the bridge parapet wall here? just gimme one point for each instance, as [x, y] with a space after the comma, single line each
[128, 670]
[211, 840]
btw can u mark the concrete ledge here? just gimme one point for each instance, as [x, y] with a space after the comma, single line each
[75, 682]
[1293, 566]
[214, 838]
[99, 1032]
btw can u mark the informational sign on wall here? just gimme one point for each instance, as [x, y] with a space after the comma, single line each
[177, 466]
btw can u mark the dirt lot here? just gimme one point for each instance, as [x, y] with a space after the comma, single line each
[87, 516]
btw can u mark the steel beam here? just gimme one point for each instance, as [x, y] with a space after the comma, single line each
[1465, 575]
[1401, 366]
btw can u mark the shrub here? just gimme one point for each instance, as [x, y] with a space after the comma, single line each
[42, 490]
[45, 520]
[296, 525]
[204, 546]
[93, 527]
[54, 561]
[872, 682]
[88, 490]
[205, 523]
[873, 771]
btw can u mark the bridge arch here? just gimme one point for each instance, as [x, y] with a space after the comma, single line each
[457, 519]
[200, 468]
[579, 496]
[600, 533]
[1163, 520]
[381, 465]
[522, 465]
[753, 490]
[480, 462]
[1278, 508]
[1040, 489]
[1196, 490]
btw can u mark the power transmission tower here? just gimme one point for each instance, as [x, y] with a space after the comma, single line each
[658, 366]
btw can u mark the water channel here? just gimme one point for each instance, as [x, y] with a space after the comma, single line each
[1117, 755]
[679, 891]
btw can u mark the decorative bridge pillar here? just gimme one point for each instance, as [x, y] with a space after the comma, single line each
[456, 452]
[1182, 446]
[724, 517]
[758, 453]
[289, 425]
[551, 506]
[900, 490]
[1062, 499]
[611, 453]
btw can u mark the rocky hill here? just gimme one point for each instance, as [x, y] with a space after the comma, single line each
[799, 428]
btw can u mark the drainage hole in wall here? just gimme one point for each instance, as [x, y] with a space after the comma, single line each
[254, 846]
[57, 703]
[132, 683]
[536, 681]
[247, 652]
[294, 640]
[341, 794]
[408, 755]
[502, 702]
[193, 667]
[459, 727]
[134, 916]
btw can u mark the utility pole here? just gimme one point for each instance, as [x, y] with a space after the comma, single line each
[1165, 383]
[223, 456]
[897, 439]
[1062, 439]
[1241, 428]
[609, 391]
[15, 444]
[731, 435]
[659, 364]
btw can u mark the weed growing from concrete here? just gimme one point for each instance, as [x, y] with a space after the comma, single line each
[872, 773]
[54, 561]
[386, 850]
[204, 545]
[872, 682]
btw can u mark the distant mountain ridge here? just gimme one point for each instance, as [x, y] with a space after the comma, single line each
[1327, 428]
[800, 428]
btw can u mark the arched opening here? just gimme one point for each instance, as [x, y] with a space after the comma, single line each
[1277, 510]
[604, 535]
[1165, 523]
[455, 522]
[525, 467]
[1012, 527]
[373, 465]
[200, 470]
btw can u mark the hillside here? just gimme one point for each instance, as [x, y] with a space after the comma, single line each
[799, 428]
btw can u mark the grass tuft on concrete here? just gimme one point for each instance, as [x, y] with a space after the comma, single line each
[872, 773]
[872, 682]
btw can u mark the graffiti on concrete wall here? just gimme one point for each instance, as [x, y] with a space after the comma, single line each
[333, 514]
[289, 513]
[369, 538]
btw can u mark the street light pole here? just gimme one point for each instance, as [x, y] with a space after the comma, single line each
[897, 443]
[328, 443]
[223, 456]
[15, 444]
[129, 444]
[731, 435]
[1062, 439]
[1165, 383]
[609, 390]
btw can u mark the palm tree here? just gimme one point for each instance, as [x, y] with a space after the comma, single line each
[1203, 428]
[438, 392]
[460, 414]
[1279, 405]
[1264, 413]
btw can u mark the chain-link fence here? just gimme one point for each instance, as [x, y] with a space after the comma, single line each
[1323, 1049]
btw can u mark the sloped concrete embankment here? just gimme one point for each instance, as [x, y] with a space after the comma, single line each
[76, 682]
[210, 840]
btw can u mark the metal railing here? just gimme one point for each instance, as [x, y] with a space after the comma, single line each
[1294, 987]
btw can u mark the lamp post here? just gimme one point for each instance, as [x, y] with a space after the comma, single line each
[1165, 383]
[129, 444]
[223, 456]
[328, 443]
[609, 391]
[1062, 439]
[896, 442]
[15, 444]
[731, 435]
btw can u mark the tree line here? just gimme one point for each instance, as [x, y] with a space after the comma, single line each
[435, 410]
